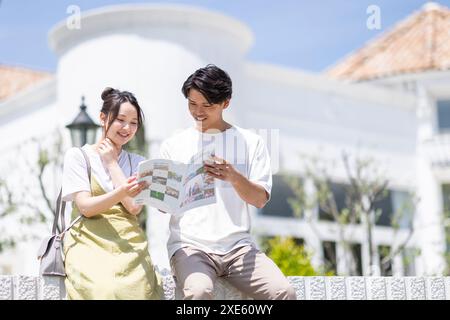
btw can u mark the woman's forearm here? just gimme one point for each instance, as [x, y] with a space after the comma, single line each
[91, 206]
[118, 178]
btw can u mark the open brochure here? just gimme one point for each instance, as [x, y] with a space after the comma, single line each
[175, 187]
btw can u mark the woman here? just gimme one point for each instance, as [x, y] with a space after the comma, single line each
[106, 252]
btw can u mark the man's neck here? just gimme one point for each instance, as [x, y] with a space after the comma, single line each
[221, 127]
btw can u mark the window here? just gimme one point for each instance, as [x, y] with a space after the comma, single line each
[386, 267]
[339, 192]
[357, 260]
[384, 205]
[446, 208]
[403, 204]
[343, 200]
[278, 204]
[446, 197]
[443, 114]
[329, 255]
[299, 241]
[398, 203]
[408, 259]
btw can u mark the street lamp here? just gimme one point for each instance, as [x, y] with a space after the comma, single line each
[82, 129]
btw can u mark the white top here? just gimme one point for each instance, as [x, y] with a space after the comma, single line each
[225, 225]
[75, 177]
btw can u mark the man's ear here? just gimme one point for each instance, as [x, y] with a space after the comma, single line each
[226, 104]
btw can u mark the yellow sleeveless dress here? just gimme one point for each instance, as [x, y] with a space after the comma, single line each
[106, 257]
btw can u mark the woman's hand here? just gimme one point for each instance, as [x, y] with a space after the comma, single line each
[109, 153]
[90, 206]
[132, 187]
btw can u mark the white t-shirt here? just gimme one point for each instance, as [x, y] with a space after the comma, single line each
[225, 225]
[75, 177]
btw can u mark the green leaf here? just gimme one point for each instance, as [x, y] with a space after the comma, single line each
[291, 258]
[43, 158]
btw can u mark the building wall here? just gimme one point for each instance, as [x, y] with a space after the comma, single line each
[317, 117]
[150, 50]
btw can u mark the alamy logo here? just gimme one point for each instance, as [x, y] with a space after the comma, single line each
[73, 21]
[233, 147]
[374, 19]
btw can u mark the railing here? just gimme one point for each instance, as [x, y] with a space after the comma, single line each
[438, 151]
[307, 288]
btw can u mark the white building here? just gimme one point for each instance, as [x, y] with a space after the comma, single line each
[388, 100]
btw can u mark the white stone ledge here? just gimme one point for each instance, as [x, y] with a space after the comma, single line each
[307, 288]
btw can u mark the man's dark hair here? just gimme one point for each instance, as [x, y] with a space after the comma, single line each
[211, 81]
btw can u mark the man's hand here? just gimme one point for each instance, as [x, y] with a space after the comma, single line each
[250, 192]
[222, 170]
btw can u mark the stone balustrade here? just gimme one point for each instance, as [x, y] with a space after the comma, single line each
[307, 288]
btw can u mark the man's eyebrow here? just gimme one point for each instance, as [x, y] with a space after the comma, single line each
[203, 103]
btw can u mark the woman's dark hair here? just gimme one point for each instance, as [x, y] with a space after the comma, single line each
[112, 99]
[214, 83]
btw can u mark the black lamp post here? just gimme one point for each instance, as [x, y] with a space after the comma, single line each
[82, 129]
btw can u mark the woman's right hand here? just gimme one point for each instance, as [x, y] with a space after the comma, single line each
[108, 152]
[132, 188]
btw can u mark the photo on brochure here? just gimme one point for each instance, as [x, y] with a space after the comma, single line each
[176, 187]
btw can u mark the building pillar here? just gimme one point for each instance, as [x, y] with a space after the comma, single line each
[428, 222]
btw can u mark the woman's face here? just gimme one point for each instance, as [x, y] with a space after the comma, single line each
[124, 127]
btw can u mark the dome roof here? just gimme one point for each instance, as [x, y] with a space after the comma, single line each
[123, 17]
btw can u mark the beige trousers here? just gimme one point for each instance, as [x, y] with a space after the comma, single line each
[246, 268]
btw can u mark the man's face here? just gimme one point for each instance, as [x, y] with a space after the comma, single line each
[206, 115]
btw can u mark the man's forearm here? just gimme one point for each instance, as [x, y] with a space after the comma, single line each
[250, 192]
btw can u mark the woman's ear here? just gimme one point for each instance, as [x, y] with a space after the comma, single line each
[102, 119]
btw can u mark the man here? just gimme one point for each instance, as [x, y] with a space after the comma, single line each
[214, 240]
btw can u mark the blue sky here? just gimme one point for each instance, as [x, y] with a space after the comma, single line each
[309, 35]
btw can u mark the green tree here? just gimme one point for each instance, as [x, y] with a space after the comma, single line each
[38, 166]
[446, 223]
[7, 209]
[366, 187]
[292, 259]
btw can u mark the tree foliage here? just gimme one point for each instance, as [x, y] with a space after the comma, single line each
[292, 259]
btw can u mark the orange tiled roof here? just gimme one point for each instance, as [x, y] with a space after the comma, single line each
[16, 79]
[419, 43]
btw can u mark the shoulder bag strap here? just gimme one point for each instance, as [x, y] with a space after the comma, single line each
[61, 205]
[131, 168]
